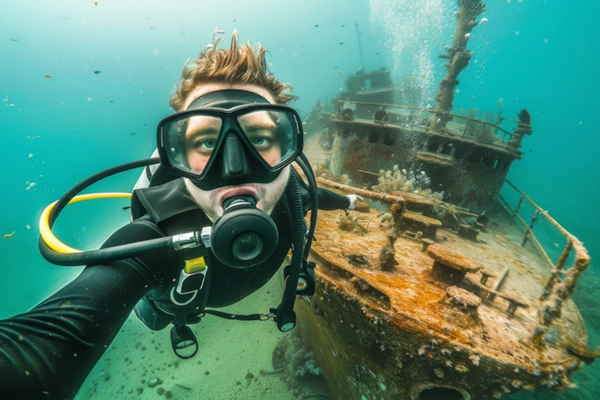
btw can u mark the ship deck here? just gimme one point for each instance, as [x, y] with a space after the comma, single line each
[418, 300]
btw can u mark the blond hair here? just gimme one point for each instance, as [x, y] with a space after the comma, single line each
[241, 64]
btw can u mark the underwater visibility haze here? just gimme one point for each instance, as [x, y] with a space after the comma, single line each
[85, 83]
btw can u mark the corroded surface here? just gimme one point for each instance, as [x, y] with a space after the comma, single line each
[462, 298]
[452, 259]
[381, 334]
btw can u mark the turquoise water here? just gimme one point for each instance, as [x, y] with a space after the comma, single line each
[113, 66]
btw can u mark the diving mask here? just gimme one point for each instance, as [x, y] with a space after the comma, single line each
[233, 137]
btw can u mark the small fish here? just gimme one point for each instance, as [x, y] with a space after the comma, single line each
[14, 40]
[484, 20]
[96, 72]
[341, 42]
[47, 76]
[9, 235]
[317, 25]
[340, 73]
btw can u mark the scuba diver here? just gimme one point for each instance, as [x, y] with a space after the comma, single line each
[210, 225]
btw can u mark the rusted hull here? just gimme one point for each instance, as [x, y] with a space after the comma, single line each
[393, 335]
[368, 352]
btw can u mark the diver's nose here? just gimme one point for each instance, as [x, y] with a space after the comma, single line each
[234, 156]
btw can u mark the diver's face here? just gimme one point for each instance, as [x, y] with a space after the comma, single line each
[266, 195]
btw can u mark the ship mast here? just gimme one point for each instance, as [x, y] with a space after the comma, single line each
[459, 58]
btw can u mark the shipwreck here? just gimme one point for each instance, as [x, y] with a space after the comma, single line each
[443, 292]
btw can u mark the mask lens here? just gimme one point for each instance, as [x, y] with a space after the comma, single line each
[191, 141]
[272, 133]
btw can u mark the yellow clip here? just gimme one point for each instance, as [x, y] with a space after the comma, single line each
[194, 265]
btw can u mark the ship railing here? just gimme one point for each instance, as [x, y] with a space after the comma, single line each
[486, 131]
[562, 281]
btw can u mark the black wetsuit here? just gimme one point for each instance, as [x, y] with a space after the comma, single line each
[48, 352]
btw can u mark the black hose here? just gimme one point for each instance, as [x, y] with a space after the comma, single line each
[285, 315]
[107, 254]
[78, 188]
[314, 197]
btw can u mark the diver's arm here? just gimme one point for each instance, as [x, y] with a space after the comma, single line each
[49, 351]
[328, 200]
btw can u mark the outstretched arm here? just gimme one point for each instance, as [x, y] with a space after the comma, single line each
[328, 200]
[48, 352]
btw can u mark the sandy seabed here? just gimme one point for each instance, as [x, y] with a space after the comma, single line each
[234, 361]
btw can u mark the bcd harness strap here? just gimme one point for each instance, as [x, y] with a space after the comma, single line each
[238, 317]
[193, 278]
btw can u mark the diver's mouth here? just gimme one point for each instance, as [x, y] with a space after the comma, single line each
[237, 191]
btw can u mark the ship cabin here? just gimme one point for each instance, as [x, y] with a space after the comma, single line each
[467, 159]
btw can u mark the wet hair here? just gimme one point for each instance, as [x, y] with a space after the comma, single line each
[240, 64]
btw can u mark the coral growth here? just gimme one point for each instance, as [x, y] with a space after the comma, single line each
[297, 367]
[398, 180]
[351, 223]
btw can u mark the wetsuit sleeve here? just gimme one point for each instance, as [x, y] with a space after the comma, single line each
[328, 200]
[48, 352]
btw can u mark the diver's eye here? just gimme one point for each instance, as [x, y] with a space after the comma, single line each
[258, 141]
[204, 145]
[262, 141]
[209, 144]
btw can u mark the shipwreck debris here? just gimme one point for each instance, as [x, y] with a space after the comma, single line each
[415, 222]
[449, 266]
[459, 58]
[387, 256]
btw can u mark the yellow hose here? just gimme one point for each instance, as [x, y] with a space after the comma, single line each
[46, 231]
